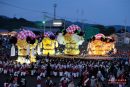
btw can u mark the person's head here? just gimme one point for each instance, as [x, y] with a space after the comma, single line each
[93, 77]
[99, 71]
[48, 78]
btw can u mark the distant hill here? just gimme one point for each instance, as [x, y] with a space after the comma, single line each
[118, 27]
[15, 23]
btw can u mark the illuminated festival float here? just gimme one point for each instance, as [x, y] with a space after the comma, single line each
[101, 45]
[26, 44]
[49, 43]
[71, 37]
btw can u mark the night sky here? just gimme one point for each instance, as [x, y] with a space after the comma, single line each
[107, 12]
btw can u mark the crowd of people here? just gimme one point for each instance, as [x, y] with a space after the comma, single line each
[90, 72]
[4, 47]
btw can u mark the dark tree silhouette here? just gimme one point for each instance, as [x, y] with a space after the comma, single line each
[14, 23]
[101, 28]
[110, 30]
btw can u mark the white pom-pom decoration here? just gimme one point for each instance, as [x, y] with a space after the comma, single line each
[60, 39]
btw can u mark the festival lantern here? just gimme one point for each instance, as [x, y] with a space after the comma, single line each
[101, 45]
[26, 44]
[71, 37]
[49, 43]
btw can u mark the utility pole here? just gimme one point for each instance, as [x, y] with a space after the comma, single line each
[64, 22]
[77, 15]
[55, 5]
[82, 20]
[125, 25]
[44, 22]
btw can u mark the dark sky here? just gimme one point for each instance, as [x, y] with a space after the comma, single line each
[107, 12]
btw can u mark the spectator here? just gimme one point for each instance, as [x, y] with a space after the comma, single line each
[71, 84]
[39, 81]
[49, 82]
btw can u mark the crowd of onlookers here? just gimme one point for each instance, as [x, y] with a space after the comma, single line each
[4, 47]
[90, 72]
